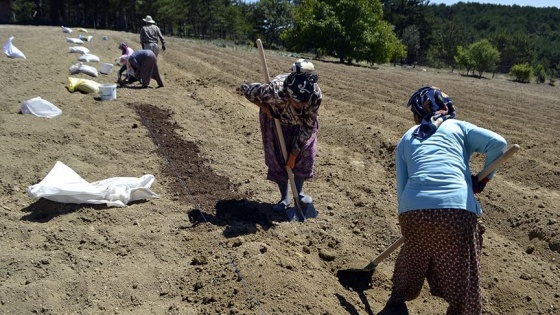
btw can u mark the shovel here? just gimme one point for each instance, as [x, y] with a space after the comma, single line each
[359, 279]
[298, 213]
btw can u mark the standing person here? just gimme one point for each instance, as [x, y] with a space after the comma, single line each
[149, 35]
[144, 64]
[293, 98]
[437, 207]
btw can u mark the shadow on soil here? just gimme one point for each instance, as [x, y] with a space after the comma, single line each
[218, 200]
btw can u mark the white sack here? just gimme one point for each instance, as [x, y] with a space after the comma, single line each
[74, 40]
[66, 30]
[89, 58]
[79, 49]
[81, 68]
[64, 185]
[40, 108]
[12, 51]
[84, 38]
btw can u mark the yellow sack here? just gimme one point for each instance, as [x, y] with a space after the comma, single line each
[83, 85]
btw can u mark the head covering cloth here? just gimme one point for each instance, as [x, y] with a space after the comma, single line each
[433, 106]
[300, 83]
[123, 46]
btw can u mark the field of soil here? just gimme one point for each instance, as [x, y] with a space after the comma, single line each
[211, 244]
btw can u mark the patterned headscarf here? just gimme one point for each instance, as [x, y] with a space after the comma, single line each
[123, 46]
[433, 106]
[300, 83]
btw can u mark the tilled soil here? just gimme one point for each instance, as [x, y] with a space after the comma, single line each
[211, 244]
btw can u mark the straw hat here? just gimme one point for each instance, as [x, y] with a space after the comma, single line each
[149, 19]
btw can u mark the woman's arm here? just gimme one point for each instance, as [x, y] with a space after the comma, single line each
[256, 93]
[484, 141]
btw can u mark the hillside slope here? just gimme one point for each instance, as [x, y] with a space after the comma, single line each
[201, 140]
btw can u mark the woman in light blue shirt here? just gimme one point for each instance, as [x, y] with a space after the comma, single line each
[437, 207]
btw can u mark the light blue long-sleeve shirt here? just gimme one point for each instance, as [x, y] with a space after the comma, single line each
[434, 173]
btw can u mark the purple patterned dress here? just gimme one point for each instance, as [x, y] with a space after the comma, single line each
[299, 127]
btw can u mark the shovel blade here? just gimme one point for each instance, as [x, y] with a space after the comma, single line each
[356, 279]
[308, 210]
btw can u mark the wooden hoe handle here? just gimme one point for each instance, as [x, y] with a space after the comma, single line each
[280, 135]
[485, 172]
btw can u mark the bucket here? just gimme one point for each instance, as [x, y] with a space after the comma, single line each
[106, 68]
[108, 91]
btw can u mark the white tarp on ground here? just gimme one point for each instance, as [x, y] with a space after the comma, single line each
[64, 185]
[40, 108]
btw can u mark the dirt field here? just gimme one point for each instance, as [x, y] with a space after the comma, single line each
[202, 142]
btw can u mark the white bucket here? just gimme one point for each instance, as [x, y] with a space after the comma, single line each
[108, 91]
[106, 68]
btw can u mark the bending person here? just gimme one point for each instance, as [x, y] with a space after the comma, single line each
[437, 207]
[144, 64]
[126, 51]
[293, 98]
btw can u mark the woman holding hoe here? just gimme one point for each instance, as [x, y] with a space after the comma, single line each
[293, 98]
[437, 207]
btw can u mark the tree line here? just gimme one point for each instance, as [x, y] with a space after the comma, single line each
[375, 31]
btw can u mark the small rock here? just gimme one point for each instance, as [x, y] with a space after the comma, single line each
[526, 276]
[530, 249]
[326, 255]
[198, 285]
[197, 261]
[208, 299]
[238, 242]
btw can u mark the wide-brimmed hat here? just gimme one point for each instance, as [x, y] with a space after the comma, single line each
[148, 19]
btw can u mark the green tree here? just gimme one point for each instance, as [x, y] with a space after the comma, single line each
[406, 15]
[447, 37]
[411, 39]
[522, 72]
[346, 29]
[514, 48]
[272, 16]
[238, 23]
[24, 11]
[540, 72]
[484, 55]
[464, 59]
